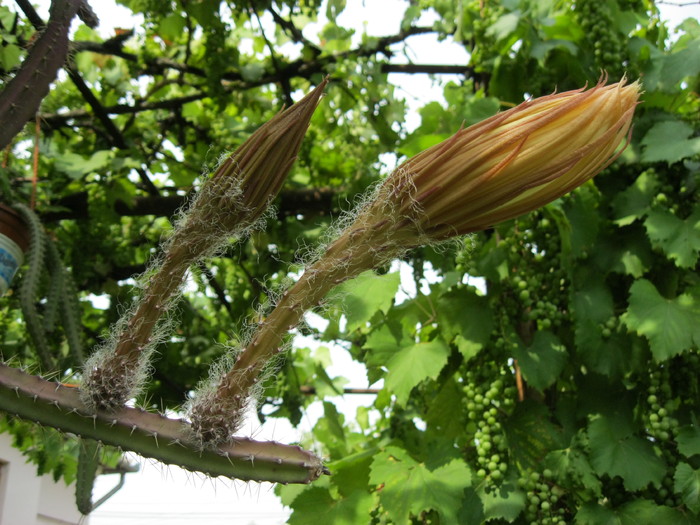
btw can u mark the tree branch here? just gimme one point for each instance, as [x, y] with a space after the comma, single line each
[59, 119]
[312, 201]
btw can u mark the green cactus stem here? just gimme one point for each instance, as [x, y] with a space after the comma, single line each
[152, 435]
[71, 315]
[88, 463]
[29, 289]
[61, 297]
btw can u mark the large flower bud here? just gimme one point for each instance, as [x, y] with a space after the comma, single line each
[515, 161]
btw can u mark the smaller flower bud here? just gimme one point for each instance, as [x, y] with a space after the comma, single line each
[244, 184]
[229, 203]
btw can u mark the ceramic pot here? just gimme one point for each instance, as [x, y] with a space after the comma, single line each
[14, 241]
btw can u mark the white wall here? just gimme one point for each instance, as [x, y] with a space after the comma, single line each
[29, 499]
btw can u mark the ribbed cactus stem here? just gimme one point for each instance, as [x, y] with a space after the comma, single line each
[22, 95]
[151, 435]
[61, 299]
[88, 464]
[29, 290]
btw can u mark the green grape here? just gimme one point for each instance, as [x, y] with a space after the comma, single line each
[608, 43]
[545, 503]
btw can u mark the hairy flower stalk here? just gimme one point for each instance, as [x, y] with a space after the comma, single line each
[228, 205]
[507, 165]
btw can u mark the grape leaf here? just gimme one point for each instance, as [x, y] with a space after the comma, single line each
[465, 317]
[504, 26]
[382, 345]
[351, 473]
[630, 252]
[670, 325]
[681, 64]
[504, 501]
[584, 217]
[593, 305]
[330, 431]
[409, 488]
[530, 434]
[645, 511]
[669, 141]
[172, 26]
[316, 505]
[572, 464]
[542, 362]
[412, 364]
[687, 484]
[616, 452]
[441, 413]
[335, 8]
[10, 56]
[472, 511]
[636, 512]
[595, 514]
[614, 356]
[688, 440]
[633, 203]
[361, 297]
[75, 166]
[679, 239]
[593, 302]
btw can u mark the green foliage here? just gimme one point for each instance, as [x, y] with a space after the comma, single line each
[670, 325]
[549, 374]
[615, 451]
[410, 488]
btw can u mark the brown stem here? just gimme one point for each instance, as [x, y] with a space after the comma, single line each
[160, 290]
[519, 381]
[369, 242]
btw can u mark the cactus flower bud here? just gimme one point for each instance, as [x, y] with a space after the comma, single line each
[229, 204]
[498, 169]
[244, 184]
[515, 161]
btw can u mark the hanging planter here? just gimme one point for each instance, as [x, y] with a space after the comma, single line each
[14, 241]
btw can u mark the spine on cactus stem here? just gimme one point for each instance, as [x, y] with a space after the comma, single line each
[230, 203]
[498, 169]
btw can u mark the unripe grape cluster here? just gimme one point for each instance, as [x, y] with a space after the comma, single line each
[677, 191]
[672, 393]
[484, 48]
[535, 291]
[543, 505]
[659, 421]
[608, 44]
[490, 397]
